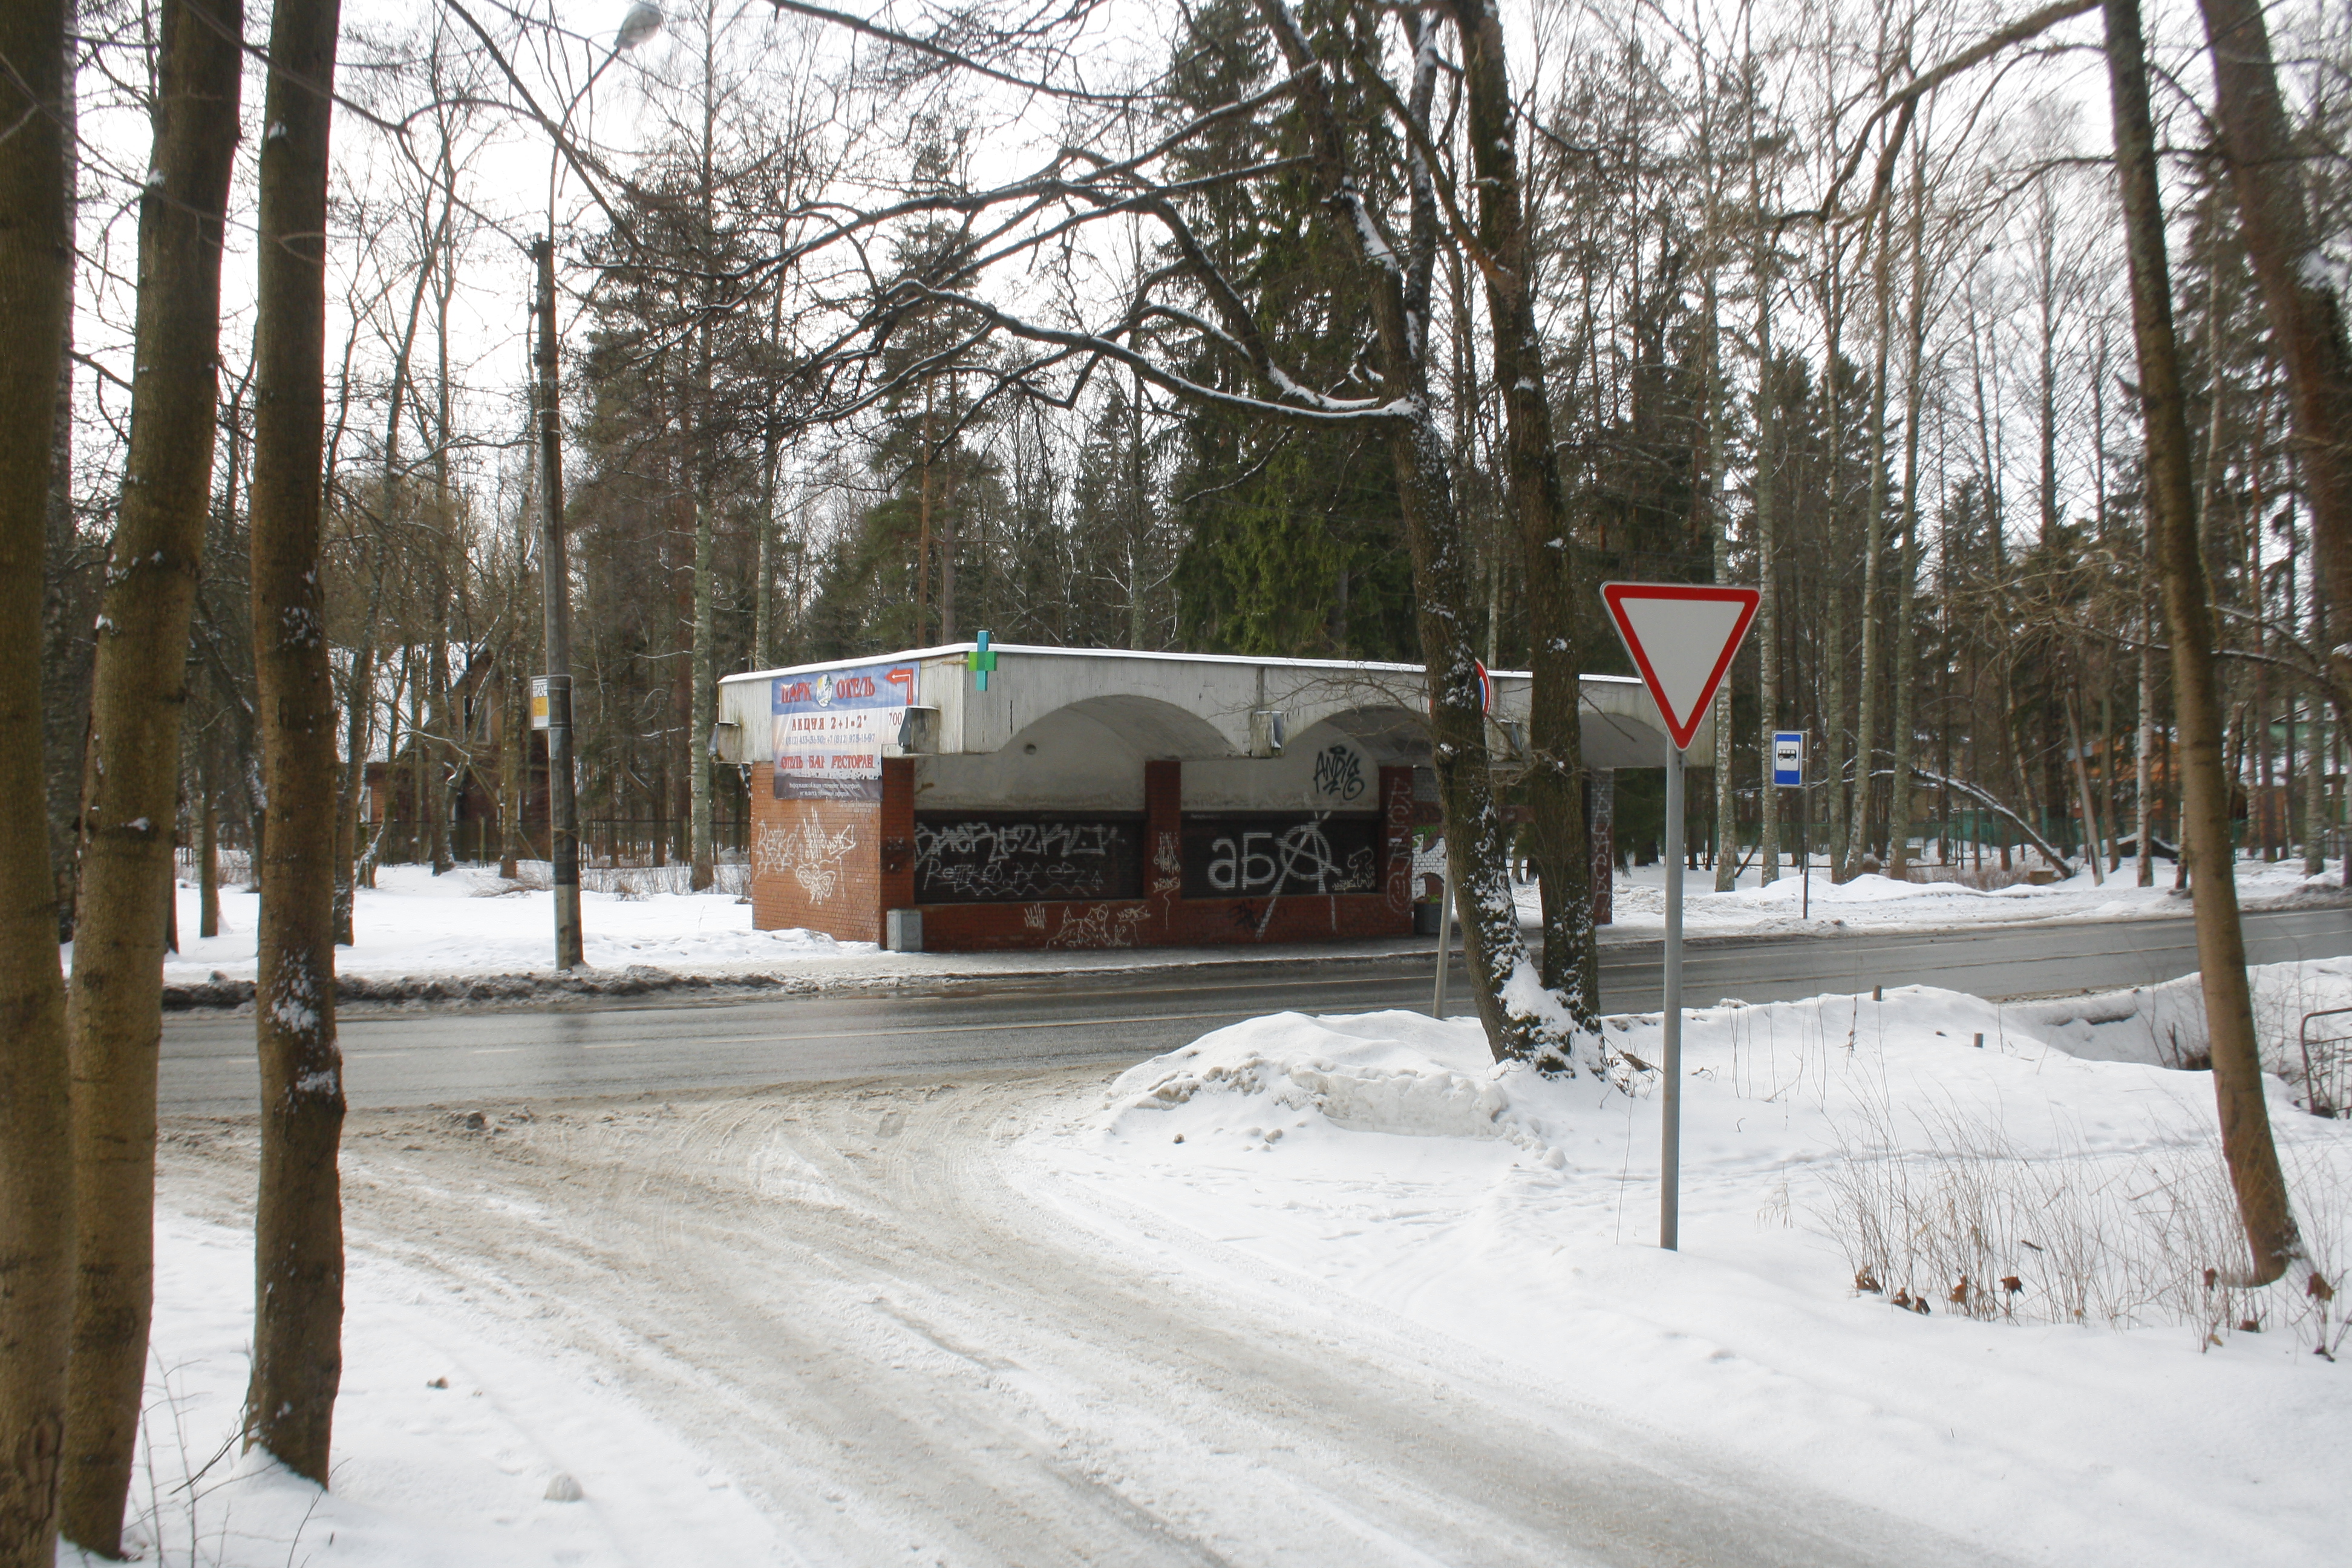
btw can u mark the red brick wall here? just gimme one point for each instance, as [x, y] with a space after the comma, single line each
[836, 866]
[818, 864]
[1163, 917]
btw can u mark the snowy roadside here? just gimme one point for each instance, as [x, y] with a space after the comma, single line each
[468, 936]
[458, 1442]
[1348, 1179]
[1873, 903]
[1385, 1158]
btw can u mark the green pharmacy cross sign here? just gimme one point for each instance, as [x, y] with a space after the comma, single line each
[980, 660]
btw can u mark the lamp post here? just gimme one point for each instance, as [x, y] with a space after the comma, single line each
[556, 574]
[555, 583]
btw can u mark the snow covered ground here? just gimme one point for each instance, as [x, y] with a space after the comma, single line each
[468, 923]
[1875, 903]
[1260, 1297]
[2084, 1417]
[457, 1444]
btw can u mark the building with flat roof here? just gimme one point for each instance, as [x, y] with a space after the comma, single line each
[971, 797]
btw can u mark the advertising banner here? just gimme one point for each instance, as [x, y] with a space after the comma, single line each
[831, 727]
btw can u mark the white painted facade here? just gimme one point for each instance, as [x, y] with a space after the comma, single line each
[1073, 727]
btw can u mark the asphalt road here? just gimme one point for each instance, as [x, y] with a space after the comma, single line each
[456, 1057]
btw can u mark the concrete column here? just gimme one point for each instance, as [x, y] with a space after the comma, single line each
[1396, 833]
[1163, 845]
[895, 826]
[1601, 829]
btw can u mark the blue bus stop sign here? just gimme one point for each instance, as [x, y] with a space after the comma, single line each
[1789, 758]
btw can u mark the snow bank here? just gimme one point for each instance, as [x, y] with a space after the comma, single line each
[2166, 1024]
[1386, 1157]
[454, 1445]
[1878, 903]
[469, 923]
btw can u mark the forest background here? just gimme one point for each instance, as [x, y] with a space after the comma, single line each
[1316, 331]
[1910, 419]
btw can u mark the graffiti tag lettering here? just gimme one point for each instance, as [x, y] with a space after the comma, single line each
[813, 856]
[1296, 860]
[1340, 772]
[1005, 859]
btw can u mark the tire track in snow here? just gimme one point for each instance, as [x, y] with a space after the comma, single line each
[838, 1294]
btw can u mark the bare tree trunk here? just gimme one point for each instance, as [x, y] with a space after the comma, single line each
[1399, 281]
[359, 721]
[923, 523]
[1768, 615]
[2299, 294]
[63, 672]
[2246, 1140]
[298, 1221]
[1906, 635]
[128, 795]
[763, 603]
[511, 710]
[1874, 547]
[2094, 851]
[943, 539]
[2144, 766]
[36, 1211]
[433, 769]
[208, 918]
[420, 729]
[1727, 794]
[1555, 777]
[2315, 752]
[703, 695]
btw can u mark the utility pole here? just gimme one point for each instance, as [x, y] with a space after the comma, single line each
[555, 583]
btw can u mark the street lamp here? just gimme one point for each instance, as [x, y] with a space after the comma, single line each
[555, 574]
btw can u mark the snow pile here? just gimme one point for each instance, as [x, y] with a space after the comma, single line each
[1878, 903]
[1382, 1072]
[468, 921]
[454, 1445]
[2166, 1024]
[2078, 1417]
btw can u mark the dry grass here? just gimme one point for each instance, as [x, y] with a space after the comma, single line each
[1958, 1218]
[732, 878]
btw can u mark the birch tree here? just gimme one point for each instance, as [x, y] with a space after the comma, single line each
[298, 1221]
[2247, 1146]
[35, 1190]
[130, 793]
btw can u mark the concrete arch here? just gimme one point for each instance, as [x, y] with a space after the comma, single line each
[1389, 735]
[1152, 726]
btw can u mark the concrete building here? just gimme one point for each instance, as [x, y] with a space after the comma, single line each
[1083, 797]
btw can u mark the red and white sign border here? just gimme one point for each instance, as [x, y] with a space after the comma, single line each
[1613, 594]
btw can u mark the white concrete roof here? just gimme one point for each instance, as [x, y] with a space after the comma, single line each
[1195, 705]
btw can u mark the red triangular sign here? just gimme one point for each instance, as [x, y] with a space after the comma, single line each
[1682, 637]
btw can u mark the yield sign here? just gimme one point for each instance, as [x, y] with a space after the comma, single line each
[1682, 637]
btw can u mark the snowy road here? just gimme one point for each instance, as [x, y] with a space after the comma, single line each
[845, 1298]
[1042, 1021]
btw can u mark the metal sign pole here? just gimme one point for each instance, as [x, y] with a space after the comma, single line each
[555, 581]
[1805, 846]
[1682, 637]
[1670, 1138]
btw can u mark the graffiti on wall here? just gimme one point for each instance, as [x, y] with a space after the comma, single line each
[1400, 837]
[1010, 857]
[807, 852]
[1102, 925]
[1339, 773]
[1255, 856]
